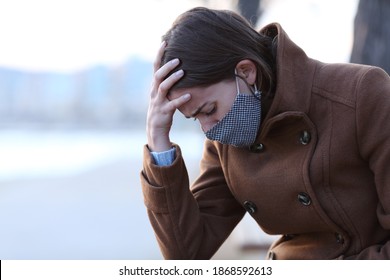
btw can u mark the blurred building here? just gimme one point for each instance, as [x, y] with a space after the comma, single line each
[100, 95]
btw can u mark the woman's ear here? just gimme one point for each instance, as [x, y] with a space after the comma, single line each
[246, 69]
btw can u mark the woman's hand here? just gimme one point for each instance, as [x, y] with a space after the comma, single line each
[161, 109]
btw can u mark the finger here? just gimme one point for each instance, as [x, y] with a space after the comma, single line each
[160, 53]
[161, 73]
[166, 85]
[178, 102]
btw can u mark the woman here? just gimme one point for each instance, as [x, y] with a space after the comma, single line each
[302, 146]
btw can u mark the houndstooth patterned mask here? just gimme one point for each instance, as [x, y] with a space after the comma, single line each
[240, 125]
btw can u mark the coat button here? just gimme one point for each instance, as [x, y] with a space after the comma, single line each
[304, 198]
[288, 236]
[305, 137]
[250, 207]
[339, 238]
[271, 255]
[256, 148]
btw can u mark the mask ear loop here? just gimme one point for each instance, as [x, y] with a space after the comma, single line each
[236, 75]
[256, 93]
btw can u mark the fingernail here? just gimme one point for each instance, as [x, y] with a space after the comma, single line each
[175, 61]
[179, 73]
[187, 96]
[163, 43]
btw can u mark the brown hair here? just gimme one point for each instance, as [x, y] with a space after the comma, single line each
[210, 43]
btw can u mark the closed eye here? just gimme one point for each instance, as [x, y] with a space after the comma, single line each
[209, 113]
[198, 111]
[212, 111]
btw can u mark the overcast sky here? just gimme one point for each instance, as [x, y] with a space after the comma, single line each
[66, 35]
[71, 34]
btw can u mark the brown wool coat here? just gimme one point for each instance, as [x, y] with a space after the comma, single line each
[320, 178]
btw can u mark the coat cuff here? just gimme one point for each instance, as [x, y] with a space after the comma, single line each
[159, 182]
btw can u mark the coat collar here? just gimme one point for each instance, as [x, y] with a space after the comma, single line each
[295, 72]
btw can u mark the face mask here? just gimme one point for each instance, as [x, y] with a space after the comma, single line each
[240, 125]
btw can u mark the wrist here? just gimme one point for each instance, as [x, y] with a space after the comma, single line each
[159, 142]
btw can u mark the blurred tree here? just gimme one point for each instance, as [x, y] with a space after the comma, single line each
[372, 34]
[249, 9]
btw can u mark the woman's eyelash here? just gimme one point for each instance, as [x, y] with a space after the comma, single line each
[211, 112]
[208, 113]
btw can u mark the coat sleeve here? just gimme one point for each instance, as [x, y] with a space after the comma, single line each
[373, 126]
[189, 223]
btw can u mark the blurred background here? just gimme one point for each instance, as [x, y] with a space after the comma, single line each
[74, 85]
